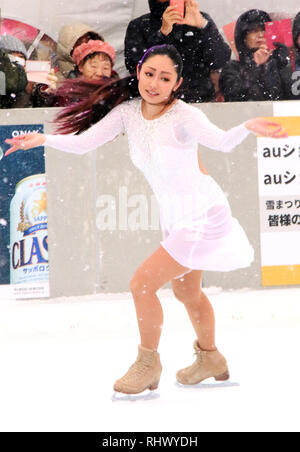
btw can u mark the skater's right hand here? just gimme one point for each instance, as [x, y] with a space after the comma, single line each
[25, 142]
[169, 19]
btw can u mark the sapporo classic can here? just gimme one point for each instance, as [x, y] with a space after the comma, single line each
[29, 231]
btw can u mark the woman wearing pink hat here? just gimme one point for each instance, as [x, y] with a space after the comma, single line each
[94, 66]
[95, 59]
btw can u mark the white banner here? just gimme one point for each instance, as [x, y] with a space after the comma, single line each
[279, 191]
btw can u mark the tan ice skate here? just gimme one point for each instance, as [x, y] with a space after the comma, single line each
[207, 365]
[143, 374]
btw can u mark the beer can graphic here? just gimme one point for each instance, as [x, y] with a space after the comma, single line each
[29, 231]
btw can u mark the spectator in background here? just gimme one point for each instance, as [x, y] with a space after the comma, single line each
[70, 37]
[260, 74]
[94, 62]
[12, 65]
[296, 37]
[20, 92]
[197, 39]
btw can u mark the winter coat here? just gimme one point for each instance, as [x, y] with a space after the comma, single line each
[15, 81]
[202, 50]
[296, 32]
[17, 93]
[244, 80]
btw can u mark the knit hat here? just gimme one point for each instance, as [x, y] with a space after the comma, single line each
[92, 47]
[67, 38]
[12, 44]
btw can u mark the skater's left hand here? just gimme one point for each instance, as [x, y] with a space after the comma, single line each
[265, 128]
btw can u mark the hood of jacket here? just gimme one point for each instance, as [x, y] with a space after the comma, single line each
[245, 23]
[157, 9]
[296, 31]
[68, 36]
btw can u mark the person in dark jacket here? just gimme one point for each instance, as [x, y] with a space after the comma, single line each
[13, 76]
[296, 75]
[296, 37]
[260, 74]
[197, 39]
[20, 93]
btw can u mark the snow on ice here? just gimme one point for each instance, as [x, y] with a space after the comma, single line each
[59, 359]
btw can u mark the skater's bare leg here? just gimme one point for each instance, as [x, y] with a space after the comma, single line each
[153, 274]
[188, 290]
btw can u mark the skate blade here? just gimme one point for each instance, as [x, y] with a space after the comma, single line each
[143, 396]
[210, 383]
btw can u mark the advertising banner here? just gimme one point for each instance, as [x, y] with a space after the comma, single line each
[24, 267]
[279, 192]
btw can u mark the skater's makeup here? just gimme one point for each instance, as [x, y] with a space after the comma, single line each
[158, 79]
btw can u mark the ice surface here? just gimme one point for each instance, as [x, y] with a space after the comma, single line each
[59, 359]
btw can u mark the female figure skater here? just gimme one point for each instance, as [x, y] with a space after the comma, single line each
[199, 232]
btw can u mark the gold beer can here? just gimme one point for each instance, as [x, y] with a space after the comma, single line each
[29, 231]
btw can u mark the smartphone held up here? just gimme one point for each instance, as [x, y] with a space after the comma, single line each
[179, 6]
[280, 31]
[38, 71]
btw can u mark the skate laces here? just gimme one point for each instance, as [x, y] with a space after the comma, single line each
[138, 369]
[199, 357]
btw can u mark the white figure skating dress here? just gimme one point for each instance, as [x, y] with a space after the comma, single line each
[198, 229]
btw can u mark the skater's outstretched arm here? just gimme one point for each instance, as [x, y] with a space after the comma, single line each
[198, 126]
[104, 131]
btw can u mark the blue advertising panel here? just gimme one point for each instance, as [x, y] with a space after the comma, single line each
[24, 267]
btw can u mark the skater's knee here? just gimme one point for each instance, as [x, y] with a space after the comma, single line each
[141, 284]
[185, 294]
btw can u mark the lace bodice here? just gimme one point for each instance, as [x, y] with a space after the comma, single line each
[164, 149]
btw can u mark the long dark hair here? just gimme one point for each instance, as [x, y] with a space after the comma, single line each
[102, 96]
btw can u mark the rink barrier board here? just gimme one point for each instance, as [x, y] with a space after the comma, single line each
[290, 123]
[105, 261]
[281, 275]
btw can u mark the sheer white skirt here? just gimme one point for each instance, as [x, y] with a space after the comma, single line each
[214, 241]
